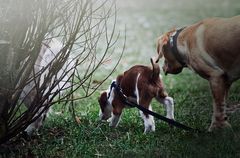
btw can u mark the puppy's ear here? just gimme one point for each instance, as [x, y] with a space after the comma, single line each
[162, 40]
[102, 100]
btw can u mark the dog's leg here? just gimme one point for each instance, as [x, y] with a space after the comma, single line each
[34, 127]
[149, 123]
[116, 113]
[219, 88]
[114, 120]
[168, 105]
[28, 95]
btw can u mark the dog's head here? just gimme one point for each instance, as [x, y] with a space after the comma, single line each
[171, 65]
[105, 107]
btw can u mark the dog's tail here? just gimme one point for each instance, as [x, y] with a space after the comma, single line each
[155, 69]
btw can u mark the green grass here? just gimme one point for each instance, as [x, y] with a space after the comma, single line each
[62, 137]
[145, 20]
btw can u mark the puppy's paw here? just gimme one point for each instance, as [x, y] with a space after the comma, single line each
[170, 125]
[149, 128]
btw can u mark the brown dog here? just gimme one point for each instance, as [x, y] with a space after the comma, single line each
[212, 49]
[140, 84]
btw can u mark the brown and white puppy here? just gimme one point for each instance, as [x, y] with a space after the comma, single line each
[211, 48]
[140, 84]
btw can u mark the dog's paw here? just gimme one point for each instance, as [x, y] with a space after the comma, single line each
[215, 126]
[169, 124]
[150, 128]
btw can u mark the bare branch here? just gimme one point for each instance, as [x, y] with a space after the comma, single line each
[55, 53]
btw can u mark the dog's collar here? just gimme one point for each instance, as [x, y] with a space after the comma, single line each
[173, 46]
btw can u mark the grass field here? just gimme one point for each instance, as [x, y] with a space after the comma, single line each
[145, 20]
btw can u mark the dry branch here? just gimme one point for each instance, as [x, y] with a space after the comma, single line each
[49, 50]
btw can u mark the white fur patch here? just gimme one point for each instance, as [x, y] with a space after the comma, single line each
[110, 99]
[30, 129]
[115, 119]
[149, 122]
[136, 88]
[169, 106]
[38, 123]
[161, 76]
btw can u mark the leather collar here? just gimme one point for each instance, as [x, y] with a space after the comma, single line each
[173, 47]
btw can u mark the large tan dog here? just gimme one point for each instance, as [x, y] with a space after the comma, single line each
[211, 48]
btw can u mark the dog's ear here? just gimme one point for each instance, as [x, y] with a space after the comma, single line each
[102, 100]
[162, 40]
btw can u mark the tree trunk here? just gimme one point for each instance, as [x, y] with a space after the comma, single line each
[6, 65]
